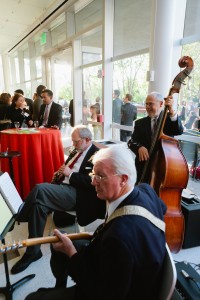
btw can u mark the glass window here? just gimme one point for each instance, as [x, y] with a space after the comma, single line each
[38, 63]
[1, 76]
[87, 13]
[63, 76]
[17, 69]
[190, 92]
[26, 65]
[92, 47]
[58, 29]
[92, 95]
[28, 90]
[129, 77]
[132, 20]
[189, 96]
[58, 34]
[39, 81]
[192, 20]
[37, 48]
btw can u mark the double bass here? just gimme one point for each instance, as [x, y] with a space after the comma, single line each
[166, 170]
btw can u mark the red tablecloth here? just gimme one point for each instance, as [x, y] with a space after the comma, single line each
[41, 155]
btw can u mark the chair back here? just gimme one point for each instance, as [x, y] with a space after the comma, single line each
[169, 277]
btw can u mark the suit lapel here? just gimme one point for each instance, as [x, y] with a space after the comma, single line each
[148, 133]
[71, 155]
[50, 112]
[42, 112]
[90, 152]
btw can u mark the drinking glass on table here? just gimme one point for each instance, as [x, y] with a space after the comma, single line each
[36, 124]
[16, 125]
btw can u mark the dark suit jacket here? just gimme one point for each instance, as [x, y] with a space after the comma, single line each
[125, 259]
[141, 136]
[30, 105]
[129, 114]
[88, 206]
[55, 115]
[71, 111]
[18, 115]
[117, 104]
[36, 108]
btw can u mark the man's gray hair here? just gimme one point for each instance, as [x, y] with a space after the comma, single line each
[120, 158]
[83, 132]
[157, 96]
[117, 92]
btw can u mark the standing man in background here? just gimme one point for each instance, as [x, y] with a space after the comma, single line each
[50, 112]
[128, 115]
[37, 101]
[116, 117]
[71, 111]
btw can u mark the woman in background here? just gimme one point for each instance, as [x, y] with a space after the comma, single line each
[5, 102]
[18, 113]
[94, 111]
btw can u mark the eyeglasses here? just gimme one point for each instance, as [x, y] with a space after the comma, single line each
[100, 178]
[150, 104]
[76, 142]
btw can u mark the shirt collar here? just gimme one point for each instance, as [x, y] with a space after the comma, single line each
[49, 105]
[113, 205]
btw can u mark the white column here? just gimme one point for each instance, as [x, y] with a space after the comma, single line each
[77, 85]
[32, 57]
[165, 49]
[107, 67]
[70, 21]
[20, 55]
[6, 73]
[13, 72]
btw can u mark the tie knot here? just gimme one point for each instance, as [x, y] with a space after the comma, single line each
[74, 159]
[155, 120]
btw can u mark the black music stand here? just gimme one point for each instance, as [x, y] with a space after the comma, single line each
[9, 288]
[10, 155]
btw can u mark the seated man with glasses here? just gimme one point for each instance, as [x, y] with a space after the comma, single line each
[141, 138]
[74, 193]
[125, 255]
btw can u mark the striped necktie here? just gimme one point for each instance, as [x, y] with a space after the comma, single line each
[74, 160]
[106, 217]
[154, 126]
[46, 115]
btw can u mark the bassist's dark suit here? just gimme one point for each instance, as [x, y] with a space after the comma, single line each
[141, 136]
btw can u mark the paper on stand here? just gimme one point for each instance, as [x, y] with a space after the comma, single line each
[10, 193]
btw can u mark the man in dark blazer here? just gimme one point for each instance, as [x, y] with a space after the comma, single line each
[128, 115]
[141, 138]
[74, 193]
[117, 104]
[125, 257]
[37, 101]
[71, 111]
[50, 112]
